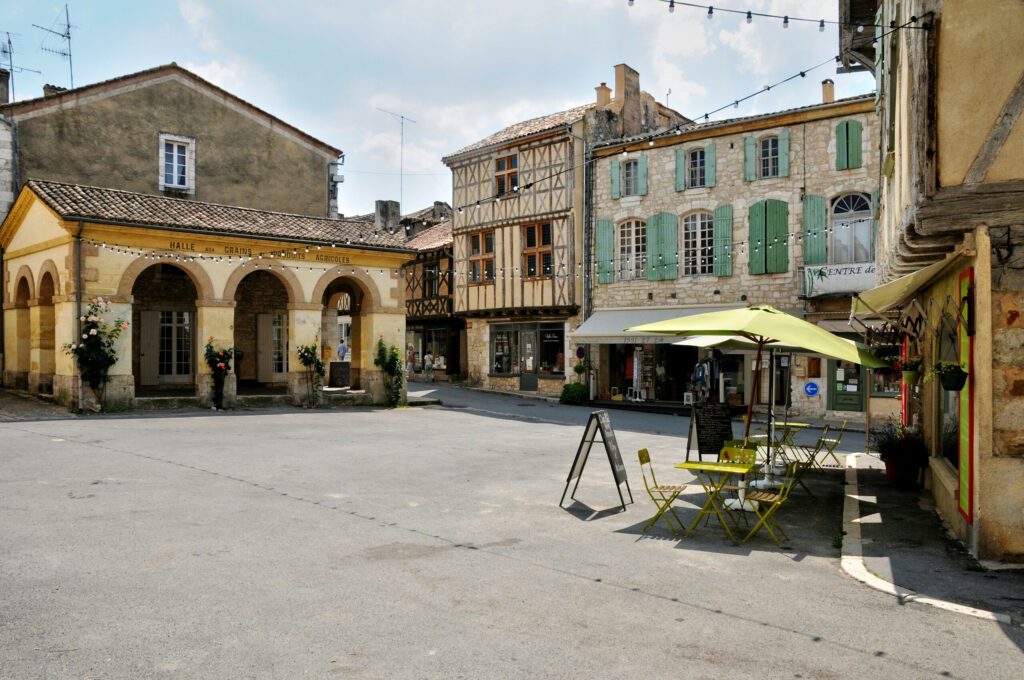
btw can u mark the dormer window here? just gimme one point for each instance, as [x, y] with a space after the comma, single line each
[506, 175]
[177, 159]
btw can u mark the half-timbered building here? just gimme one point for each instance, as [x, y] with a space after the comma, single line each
[519, 199]
[430, 323]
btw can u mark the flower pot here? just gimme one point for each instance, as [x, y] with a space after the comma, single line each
[902, 474]
[911, 377]
[954, 381]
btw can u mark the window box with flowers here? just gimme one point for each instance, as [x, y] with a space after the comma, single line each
[95, 352]
[219, 361]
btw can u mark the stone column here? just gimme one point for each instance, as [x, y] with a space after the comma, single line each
[373, 327]
[41, 359]
[216, 319]
[17, 355]
[304, 321]
[65, 375]
[120, 389]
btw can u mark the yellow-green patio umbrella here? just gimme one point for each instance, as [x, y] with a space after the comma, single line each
[764, 325]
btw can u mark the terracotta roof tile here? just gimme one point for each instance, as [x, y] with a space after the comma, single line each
[525, 129]
[77, 201]
[437, 236]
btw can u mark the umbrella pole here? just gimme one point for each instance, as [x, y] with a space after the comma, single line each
[753, 392]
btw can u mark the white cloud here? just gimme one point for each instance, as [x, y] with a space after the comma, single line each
[198, 17]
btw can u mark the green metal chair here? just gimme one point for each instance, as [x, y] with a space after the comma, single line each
[829, 445]
[662, 495]
[768, 503]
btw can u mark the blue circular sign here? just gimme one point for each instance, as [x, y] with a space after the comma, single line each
[811, 389]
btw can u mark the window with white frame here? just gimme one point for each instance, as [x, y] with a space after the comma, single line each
[851, 229]
[768, 156]
[632, 249]
[695, 168]
[698, 244]
[631, 178]
[177, 163]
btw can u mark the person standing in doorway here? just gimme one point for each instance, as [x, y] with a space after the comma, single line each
[342, 350]
[428, 366]
[410, 361]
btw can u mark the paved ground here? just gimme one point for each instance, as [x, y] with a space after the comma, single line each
[418, 543]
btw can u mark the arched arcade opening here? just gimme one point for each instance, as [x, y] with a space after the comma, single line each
[164, 344]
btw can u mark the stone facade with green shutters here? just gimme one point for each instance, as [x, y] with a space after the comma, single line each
[735, 212]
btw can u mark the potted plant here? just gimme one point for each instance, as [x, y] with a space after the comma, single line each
[952, 376]
[903, 451]
[910, 368]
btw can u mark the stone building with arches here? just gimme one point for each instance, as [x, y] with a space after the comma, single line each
[775, 209]
[182, 272]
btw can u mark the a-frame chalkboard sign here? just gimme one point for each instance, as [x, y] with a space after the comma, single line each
[712, 423]
[599, 422]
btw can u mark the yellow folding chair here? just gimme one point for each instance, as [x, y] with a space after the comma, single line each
[768, 503]
[829, 445]
[662, 495]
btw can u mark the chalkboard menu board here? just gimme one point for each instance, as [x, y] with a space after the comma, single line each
[601, 422]
[713, 426]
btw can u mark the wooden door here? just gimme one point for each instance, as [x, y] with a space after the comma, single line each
[149, 349]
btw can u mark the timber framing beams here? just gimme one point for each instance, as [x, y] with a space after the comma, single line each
[964, 207]
[520, 313]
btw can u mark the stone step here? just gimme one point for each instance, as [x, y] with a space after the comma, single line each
[160, 403]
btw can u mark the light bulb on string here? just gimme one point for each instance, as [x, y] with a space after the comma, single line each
[750, 17]
[821, 26]
[711, 12]
[785, 21]
[671, 6]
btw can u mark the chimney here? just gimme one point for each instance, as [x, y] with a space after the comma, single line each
[52, 89]
[604, 95]
[441, 211]
[828, 91]
[5, 86]
[386, 215]
[627, 82]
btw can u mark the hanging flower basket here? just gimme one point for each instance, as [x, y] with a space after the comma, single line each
[954, 380]
[911, 377]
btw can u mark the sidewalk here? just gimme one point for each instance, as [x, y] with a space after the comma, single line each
[894, 541]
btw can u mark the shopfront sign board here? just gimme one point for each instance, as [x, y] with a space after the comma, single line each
[600, 423]
[712, 424]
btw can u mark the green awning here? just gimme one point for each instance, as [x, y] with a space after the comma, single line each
[896, 293]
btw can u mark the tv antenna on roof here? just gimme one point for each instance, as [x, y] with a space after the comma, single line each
[64, 35]
[401, 151]
[7, 50]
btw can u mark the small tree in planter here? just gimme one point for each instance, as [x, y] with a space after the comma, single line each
[309, 356]
[950, 373]
[219, 361]
[389, 360]
[903, 451]
[95, 353]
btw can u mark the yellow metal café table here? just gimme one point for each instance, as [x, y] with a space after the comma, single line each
[713, 477]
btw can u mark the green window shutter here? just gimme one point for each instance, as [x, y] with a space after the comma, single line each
[842, 143]
[814, 230]
[641, 176]
[723, 240]
[616, 177]
[784, 153]
[853, 144]
[680, 170]
[749, 158]
[776, 235]
[709, 165]
[651, 270]
[755, 238]
[669, 242]
[605, 251]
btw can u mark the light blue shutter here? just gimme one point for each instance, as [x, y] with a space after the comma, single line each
[784, 153]
[814, 230]
[605, 251]
[641, 176]
[842, 143]
[616, 193]
[853, 144]
[723, 240]
[669, 247]
[651, 271]
[680, 170]
[776, 234]
[755, 238]
[709, 165]
[749, 158]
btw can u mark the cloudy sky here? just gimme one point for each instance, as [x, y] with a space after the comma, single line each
[461, 69]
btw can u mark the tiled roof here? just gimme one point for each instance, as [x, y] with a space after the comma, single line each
[711, 125]
[25, 105]
[77, 201]
[438, 235]
[525, 129]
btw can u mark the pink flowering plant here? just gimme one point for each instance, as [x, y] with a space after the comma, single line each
[219, 361]
[95, 350]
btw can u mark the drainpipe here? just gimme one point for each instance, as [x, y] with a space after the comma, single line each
[78, 303]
